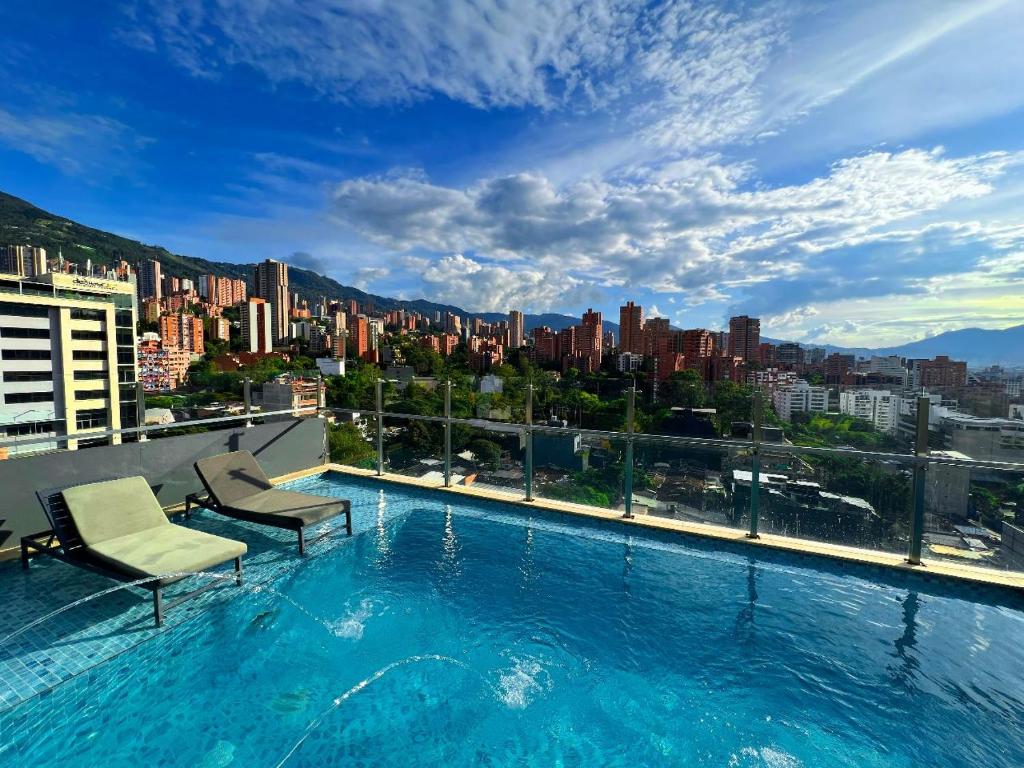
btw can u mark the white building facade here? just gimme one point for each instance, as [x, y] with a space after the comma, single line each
[878, 406]
[800, 397]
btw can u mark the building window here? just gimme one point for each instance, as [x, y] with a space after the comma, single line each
[88, 354]
[29, 397]
[91, 375]
[91, 394]
[89, 335]
[26, 354]
[88, 314]
[34, 428]
[23, 310]
[15, 376]
[24, 333]
[93, 418]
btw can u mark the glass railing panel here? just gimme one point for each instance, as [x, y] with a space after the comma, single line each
[836, 497]
[416, 397]
[974, 516]
[684, 406]
[488, 457]
[414, 447]
[569, 465]
[357, 389]
[692, 483]
[351, 439]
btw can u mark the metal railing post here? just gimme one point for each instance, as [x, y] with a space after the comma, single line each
[380, 427]
[920, 477]
[627, 490]
[140, 409]
[528, 463]
[247, 399]
[448, 434]
[755, 464]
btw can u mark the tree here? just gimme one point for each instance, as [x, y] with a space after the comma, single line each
[347, 445]
[732, 402]
[683, 388]
[486, 453]
[356, 389]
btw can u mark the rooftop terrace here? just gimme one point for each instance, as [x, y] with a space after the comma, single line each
[724, 497]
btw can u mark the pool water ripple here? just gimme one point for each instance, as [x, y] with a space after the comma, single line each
[473, 633]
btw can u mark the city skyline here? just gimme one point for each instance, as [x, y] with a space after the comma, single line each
[787, 164]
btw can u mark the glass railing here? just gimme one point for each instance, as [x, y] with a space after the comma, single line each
[737, 474]
[974, 514]
[936, 506]
[695, 483]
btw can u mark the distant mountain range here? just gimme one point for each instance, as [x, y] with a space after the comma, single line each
[980, 347]
[23, 223]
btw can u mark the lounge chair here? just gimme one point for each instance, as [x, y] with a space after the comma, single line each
[238, 488]
[117, 528]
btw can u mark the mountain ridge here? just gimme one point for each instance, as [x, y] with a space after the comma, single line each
[22, 222]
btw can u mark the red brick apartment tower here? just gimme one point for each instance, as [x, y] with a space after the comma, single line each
[631, 328]
[591, 337]
[744, 337]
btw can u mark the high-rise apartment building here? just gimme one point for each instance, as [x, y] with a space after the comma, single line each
[744, 337]
[359, 333]
[800, 397]
[257, 326]
[271, 285]
[698, 345]
[657, 337]
[891, 365]
[631, 328]
[149, 280]
[591, 339]
[940, 372]
[516, 329]
[67, 360]
[23, 260]
[545, 344]
[878, 406]
[789, 353]
[220, 329]
[836, 366]
[222, 291]
[184, 332]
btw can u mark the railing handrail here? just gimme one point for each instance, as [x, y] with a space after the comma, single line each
[86, 435]
[766, 448]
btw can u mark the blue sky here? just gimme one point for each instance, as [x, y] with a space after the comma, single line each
[850, 172]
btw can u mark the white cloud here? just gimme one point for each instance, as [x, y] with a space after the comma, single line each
[366, 275]
[75, 144]
[680, 74]
[486, 53]
[640, 168]
[701, 235]
[489, 287]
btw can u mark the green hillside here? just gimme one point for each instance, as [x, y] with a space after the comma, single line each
[22, 223]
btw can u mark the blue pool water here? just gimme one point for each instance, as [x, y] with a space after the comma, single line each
[449, 632]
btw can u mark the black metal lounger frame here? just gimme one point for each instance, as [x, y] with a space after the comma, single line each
[206, 500]
[63, 543]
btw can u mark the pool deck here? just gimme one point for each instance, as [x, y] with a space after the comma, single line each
[929, 568]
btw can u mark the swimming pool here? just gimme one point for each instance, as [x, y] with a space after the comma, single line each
[456, 632]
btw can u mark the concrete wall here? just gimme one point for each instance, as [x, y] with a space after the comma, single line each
[166, 462]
